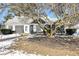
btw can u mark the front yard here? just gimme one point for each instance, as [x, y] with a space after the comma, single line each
[47, 46]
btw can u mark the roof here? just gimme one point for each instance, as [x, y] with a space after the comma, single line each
[21, 20]
[17, 20]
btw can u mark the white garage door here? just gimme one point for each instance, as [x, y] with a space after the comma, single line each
[19, 29]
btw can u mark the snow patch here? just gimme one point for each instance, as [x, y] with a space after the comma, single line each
[9, 36]
[6, 43]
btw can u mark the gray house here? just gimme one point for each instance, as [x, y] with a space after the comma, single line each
[21, 24]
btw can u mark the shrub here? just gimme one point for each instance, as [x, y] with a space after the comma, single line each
[70, 31]
[6, 31]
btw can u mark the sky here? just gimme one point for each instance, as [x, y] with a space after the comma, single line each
[51, 15]
[4, 12]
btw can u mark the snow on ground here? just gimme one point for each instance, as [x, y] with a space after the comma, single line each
[9, 36]
[4, 44]
[6, 41]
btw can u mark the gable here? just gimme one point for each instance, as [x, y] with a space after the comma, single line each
[19, 20]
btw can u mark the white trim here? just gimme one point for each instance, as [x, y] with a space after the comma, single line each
[34, 28]
[27, 29]
[13, 27]
[20, 24]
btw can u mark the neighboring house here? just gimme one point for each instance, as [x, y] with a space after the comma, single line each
[21, 24]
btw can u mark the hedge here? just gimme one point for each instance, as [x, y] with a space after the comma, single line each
[6, 31]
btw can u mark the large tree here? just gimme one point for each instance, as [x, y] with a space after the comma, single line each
[66, 13]
[31, 10]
